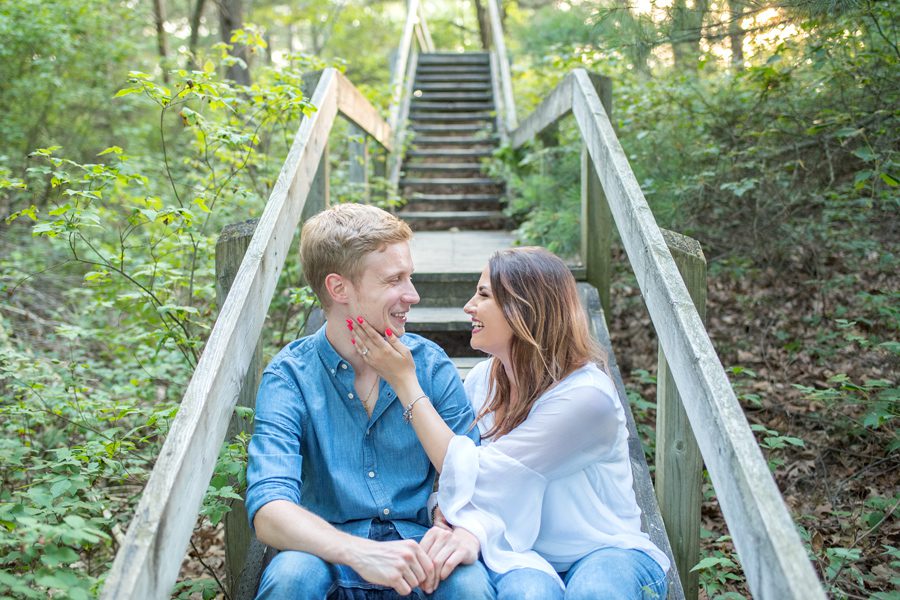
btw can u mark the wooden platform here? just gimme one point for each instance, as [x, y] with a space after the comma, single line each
[457, 251]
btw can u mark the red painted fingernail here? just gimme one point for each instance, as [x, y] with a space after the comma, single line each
[352, 340]
[349, 321]
[359, 320]
[388, 332]
[350, 326]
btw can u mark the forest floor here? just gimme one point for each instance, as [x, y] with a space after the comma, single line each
[841, 485]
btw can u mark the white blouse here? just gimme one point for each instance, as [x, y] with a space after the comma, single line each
[555, 488]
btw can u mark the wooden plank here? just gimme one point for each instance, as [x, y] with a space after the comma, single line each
[509, 103]
[230, 249]
[149, 559]
[679, 465]
[456, 251]
[439, 318]
[596, 231]
[356, 108]
[403, 52]
[428, 45]
[652, 521]
[396, 158]
[770, 550]
[554, 107]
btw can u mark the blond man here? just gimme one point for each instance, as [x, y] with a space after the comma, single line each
[336, 480]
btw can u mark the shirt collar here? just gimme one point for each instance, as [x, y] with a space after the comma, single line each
[329, 356]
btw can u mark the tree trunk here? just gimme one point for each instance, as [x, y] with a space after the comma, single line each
[736, 33]
[162, 44]
[231, 18]
[687, 28]
[196, 15]
[484, 25]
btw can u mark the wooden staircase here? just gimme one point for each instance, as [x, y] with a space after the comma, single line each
[453, 124]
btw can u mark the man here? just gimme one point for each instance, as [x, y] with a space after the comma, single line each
[337, 480]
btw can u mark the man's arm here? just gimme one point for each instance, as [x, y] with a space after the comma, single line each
[401, 565]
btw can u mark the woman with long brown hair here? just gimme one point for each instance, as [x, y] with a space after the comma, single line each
[548, 493]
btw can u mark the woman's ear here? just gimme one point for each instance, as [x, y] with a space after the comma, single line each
[338, 288]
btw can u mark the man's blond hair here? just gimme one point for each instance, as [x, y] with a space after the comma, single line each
[337, 240]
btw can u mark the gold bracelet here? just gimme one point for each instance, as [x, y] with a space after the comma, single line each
[407, 412]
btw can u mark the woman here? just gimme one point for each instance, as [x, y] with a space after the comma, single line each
[549, 491]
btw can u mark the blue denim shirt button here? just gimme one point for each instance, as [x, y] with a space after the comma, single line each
[343, 365]
[350, 395]
[386, 511]
[371, 474]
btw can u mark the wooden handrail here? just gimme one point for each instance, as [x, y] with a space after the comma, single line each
[498, 48]
[400, 65]
[148, 560]
[402, 81]
[773, 558]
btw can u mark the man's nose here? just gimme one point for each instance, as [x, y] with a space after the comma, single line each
[410, 295]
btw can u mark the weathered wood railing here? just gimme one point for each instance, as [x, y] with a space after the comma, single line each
[402, 78]
[771, 553]
[149, 558]
[502, 79]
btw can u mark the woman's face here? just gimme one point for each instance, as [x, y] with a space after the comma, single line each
[490, 331]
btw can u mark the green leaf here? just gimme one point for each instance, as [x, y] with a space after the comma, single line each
[54, 555]
[127, 91]
[889, 180]
[111, 149]
[865, 153]
[713, 561]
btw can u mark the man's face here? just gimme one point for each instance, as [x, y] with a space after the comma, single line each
[384, 293]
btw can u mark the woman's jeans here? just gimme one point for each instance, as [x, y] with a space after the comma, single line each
[301, 576]
[605, 574]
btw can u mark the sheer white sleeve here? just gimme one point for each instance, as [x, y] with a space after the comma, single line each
[496, 490]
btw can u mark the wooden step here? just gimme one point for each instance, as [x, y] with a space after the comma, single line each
[455, 197]
[459, 181]
[446, 168]
[465, 364]
[456, 58]
[454, 107]
[455, 256]
[451, 77]
[425, 140]
[450, 153]
[445, 69]
[441, 204]
[452, 128]
[452, 202]
[453, 86]
[430, 96]
[438, 318]
[433, 117]
[444, 220]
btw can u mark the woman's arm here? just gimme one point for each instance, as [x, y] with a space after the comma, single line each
[394, 363]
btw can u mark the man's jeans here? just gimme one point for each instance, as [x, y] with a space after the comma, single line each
[606, 574]
[301, 576]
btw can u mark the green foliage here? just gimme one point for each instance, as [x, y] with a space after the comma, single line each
[718, 570]
[56, 75]
[879, 400]
[130, 239]
[544, 195]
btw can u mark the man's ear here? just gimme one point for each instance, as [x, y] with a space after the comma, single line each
[337, 287]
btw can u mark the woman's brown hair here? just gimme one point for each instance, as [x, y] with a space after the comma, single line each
[537, 294]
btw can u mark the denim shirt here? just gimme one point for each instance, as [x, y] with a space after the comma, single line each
[314, 445]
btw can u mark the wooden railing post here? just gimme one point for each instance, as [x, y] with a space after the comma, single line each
[230, 249]
[319, 196]
[596, 218]
[679, 465]
[358, 171]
